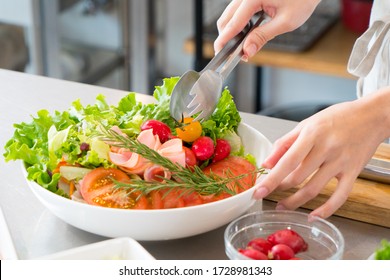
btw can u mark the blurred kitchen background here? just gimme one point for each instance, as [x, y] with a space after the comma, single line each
[132, 45]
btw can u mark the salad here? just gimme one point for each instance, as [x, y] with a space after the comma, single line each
[134, 155]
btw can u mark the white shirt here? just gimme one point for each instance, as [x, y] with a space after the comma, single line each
[370, 57]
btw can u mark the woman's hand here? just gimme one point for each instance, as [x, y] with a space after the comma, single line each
[286, 15]
[334, 143]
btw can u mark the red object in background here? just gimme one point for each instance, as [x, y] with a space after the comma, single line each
[356, 14]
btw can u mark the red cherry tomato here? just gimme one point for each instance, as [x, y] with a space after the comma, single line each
[260, 244]
[222, 150]
[289, 238]
[253, 254]
[203, 148]
[282, 252]
[159, 128]
[190, 157]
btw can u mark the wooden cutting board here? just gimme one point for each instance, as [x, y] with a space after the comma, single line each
[368, 201]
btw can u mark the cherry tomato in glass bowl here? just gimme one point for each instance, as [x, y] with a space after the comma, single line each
[260, 244]
[312, 239]
[253, 254]
[281, 252]
[189, 130]
[289, 238]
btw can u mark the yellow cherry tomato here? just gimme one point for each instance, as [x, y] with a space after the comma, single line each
[189, 130]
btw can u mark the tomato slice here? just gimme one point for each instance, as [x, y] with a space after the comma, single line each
[192, 199]
[155, 200]
[190, 130]
[97, 188]
[171, 199]
[234, 166]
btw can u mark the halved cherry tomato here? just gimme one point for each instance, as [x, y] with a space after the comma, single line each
[190, 130]
[253, 254]
[260, 244]
[97, 188]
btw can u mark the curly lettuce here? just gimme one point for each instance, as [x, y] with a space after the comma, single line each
[224, 119]
[383, 253]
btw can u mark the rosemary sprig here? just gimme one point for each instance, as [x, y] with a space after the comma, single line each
[211, 185]
[194, 180]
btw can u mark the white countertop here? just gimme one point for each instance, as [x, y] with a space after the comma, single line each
[36, 232]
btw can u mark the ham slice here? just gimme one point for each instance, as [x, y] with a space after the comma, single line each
[155, 172]
[136, 164]
[129, 162]
[173, 150]
[147, 138]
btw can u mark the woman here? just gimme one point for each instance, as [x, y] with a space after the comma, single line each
[338, 141]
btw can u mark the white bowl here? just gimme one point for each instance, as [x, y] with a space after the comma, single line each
[164, 224]
[124, 248]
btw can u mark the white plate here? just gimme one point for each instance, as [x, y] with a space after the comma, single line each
[112, 249]
[159, 224]
[372, 256]
[7, 249]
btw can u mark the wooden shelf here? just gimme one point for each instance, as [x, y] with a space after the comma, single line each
[329, 55]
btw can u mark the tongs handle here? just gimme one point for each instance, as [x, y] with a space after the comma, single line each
[377, 170]
[230, 55]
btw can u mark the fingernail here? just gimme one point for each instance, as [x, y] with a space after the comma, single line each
[314, 215]
[261, 193]
[251, 50]
[311, 218]
[280, 207]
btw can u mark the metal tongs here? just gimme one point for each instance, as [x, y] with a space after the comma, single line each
[199, 92]
[377, 170]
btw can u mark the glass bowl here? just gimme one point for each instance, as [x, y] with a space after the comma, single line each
[325, 241]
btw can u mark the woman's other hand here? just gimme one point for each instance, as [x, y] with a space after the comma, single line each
[335, 143]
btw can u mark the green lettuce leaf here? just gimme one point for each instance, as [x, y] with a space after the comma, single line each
[224, 119]
[383, 253]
